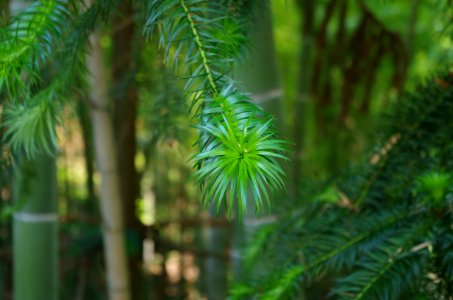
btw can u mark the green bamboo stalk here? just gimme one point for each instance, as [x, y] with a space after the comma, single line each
[35, 230]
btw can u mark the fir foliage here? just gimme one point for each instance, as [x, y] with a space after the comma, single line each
[386, 231]
[42, 65]
[239, 148]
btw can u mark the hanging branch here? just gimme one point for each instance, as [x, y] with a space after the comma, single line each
[237, 139]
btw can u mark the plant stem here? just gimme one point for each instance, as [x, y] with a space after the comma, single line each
[200, 47]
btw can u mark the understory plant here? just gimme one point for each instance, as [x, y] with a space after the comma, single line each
[382, 230]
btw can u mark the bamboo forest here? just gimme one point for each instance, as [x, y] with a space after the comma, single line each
[226, 149]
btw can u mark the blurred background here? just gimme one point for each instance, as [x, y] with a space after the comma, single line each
[326, 69]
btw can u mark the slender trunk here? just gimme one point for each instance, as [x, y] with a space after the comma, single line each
[259, 76]
[409, 41]
[303, 97]
[35, 230]
[215, 269]
[125, 100]
[110, 199]
[411, 27]
[85, 125]
[320, 88]
[258, 73]
[125, 111]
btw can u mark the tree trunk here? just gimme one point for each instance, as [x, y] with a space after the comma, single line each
[35, 230]
[215, 269]
[85, 125]
[110, 199]
[303, 97]
[258, 74]
[125, 100]
[125, 111]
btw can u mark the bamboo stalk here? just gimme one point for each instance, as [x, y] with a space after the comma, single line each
[35, 230]
[110, 200]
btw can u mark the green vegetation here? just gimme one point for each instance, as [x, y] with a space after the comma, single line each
[380, 231]
[194, 149]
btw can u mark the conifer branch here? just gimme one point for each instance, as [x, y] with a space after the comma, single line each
[27, 44]
[414, 174]
[239, 150]
[200, 48]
